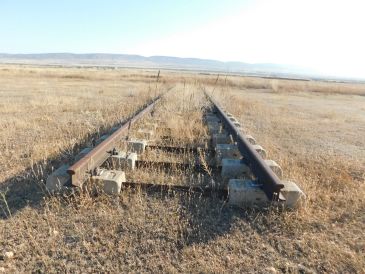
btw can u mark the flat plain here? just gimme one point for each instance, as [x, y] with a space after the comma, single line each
[314, 130]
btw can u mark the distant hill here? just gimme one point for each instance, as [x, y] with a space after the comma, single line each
[167, 62]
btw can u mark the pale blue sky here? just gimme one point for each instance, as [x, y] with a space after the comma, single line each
[100, 25]
[326, 35]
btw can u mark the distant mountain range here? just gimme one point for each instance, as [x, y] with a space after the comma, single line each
[163, 62]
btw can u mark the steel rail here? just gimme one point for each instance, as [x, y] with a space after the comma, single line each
[99, 154]
[271, 184]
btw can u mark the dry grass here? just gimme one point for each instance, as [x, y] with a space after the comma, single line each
[47, 115]
[318, 140]
[282, 85]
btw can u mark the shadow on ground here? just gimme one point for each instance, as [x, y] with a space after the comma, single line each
[27, 188]
[205, 218]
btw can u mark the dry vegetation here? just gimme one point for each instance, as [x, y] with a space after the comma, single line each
[313, 130]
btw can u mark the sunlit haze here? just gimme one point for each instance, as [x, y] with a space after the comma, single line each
[326, 36]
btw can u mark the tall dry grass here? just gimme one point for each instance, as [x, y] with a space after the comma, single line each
[47, 115]
[326, 162]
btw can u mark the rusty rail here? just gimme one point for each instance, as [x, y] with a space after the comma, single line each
[271, 184]
[83, 168]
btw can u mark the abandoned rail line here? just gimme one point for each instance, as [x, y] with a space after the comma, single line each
[229, 164]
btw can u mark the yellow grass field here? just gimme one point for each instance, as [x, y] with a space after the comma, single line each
[314, 130]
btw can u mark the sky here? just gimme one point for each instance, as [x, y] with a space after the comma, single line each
[326, 36]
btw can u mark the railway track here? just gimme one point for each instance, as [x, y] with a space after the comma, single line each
[142, 153]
